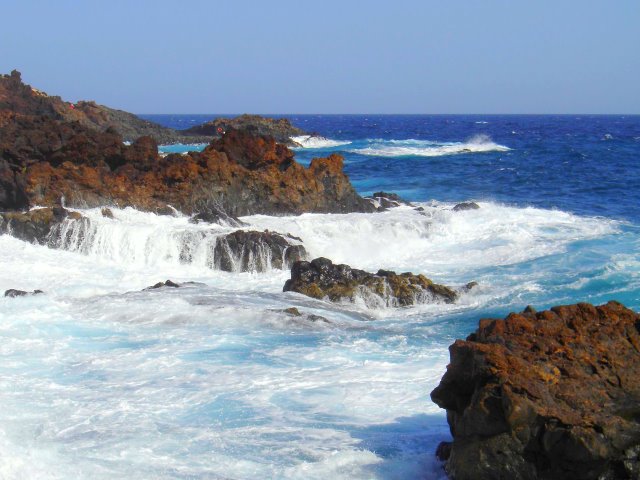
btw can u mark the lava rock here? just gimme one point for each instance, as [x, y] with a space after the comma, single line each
[213, 214]
[546, 395]
[38, 225]
[383, 201]
[461, 207]
[320, 279]
[20, 293]
[251, 251]
[106, 213]
[167, 283]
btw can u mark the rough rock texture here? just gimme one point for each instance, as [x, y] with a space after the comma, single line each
[250, 251]
[460, 207]
[383, 201]
[320, 279]
[548, 395]
[23, 99]
[38, 225]
[43, 161]
[280, 129]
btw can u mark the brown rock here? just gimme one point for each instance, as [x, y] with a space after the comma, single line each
[546, 395]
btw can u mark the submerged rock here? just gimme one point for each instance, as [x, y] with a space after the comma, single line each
[251, 251]
[320, 279]
[546, 395]
[167, 283]
[294, 312]
[20, 293]
[460, 207]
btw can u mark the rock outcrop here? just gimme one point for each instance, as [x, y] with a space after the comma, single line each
[461, 207]
[321, 279]
[40, 225]
[43, 161]
[548, 395]
[22, 99]
[280, 129]
[12, 293]
[251, 251]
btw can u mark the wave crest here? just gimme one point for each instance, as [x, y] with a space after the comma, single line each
[427, 148]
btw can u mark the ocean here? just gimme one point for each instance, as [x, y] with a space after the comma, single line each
[101, 380]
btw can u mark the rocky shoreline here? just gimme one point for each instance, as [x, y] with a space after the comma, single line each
[545, 395]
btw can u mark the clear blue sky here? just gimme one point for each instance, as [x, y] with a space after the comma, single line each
[396, 56]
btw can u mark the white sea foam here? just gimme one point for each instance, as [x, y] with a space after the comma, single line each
[425, 148]
[103, 380]
[316, 141]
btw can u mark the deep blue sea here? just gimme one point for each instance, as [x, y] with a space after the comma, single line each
[101, 379]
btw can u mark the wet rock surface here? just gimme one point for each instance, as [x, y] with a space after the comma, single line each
[546, 395]
[38, 225]
[383, 201]
[321, 279]
[20, 293]
[461, 207]
[251, 251]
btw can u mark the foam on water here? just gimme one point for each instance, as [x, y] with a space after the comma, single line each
[315, 141]
[425, 148]
[213, 380]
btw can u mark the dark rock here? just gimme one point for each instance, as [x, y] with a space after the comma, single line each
[546, 395]
[294, 312]
[23, 99]
[384, 200]
[20, 293]
[320, 278]
[168, 283]
[280, 129]
[214, 214]
[106, 212]
[443, 451]
[466, 206]
[469, 286]
[38, 225]
[251, 251]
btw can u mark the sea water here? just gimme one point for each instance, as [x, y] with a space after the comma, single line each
[102, 379]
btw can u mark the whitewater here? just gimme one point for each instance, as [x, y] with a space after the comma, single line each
[101, 378]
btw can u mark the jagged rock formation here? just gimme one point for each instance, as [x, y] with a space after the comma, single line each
[43, 160]
[320, 279]
[548, 395]
[280, 129]
[22, 99]
[461, 207]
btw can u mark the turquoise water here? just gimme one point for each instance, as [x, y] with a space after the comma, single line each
[101, 379]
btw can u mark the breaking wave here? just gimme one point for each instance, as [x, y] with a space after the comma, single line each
[427, 148]
[315, 141]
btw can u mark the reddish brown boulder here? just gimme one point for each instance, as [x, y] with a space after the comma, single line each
[548, 395]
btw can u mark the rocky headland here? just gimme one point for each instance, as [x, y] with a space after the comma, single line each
[545, 395]
[19, 98]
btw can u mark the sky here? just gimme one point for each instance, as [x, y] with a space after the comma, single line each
[400, 56]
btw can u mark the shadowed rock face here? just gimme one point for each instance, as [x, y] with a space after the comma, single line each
[250, 251]
[548, 395]
[37, 226]
[320, 278]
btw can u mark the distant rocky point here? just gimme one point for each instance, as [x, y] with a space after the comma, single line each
[19, 98]
[280, 129]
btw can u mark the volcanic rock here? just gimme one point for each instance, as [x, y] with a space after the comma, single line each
[251, 251]
[280, 129]
[546, 395]
[383, 201]
[20, 293]
[460, 207]
[320, 279]
[38, 225]
[217, 215]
